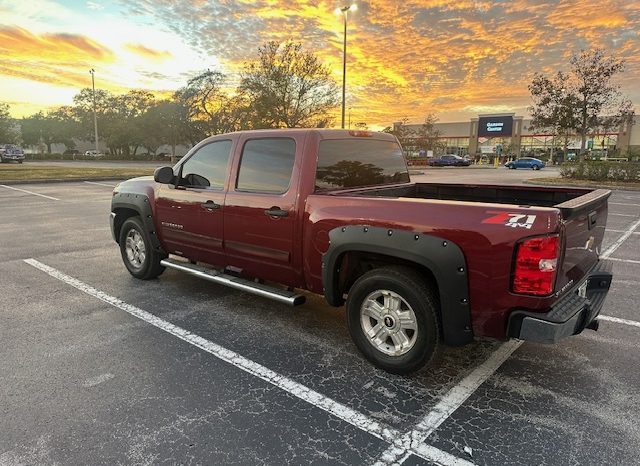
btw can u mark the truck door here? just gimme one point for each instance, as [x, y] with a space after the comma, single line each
[190, 216]
[260, 215]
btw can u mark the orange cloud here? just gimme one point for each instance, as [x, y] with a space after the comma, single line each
[17, 42]
[404, 58]
[146, 52]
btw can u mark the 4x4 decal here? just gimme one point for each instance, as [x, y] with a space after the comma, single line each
[511, 220]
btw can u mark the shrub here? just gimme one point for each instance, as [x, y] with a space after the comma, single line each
[595, 170]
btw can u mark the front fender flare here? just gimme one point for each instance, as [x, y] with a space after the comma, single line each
[139, 203]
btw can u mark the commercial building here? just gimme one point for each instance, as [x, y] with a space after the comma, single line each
[506, 134]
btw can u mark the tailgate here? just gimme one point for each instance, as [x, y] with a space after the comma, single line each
[584, 221]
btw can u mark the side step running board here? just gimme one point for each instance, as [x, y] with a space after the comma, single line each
[283, 296]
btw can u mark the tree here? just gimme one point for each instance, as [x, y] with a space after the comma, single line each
[428, 135]
[401, 130]
[288, 87]
[118, 117]
[210, 110]
[57, 127]
[581, 100]
[8, 133]
[164, 123]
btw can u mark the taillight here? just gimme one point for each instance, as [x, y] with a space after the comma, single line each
[536, 264]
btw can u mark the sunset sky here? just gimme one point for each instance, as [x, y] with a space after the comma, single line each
[405, 58]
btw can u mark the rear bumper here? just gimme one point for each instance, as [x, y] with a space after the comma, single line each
[569, 316]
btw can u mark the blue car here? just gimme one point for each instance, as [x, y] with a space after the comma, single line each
[525, 162]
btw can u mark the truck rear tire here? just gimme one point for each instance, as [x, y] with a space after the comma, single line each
[139, 256]
[392, 318]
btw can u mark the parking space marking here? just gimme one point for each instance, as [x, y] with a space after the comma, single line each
[622, 231]
[628, 261]
[447, 405]
[611, 249]
[622, 215]
[29, 192]
[617, 320]
[101, 184]
[623, 203]
[343, 412]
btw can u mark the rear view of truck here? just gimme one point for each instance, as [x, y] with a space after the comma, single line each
[567, 267]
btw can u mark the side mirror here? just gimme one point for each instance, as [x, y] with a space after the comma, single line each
[164, 175]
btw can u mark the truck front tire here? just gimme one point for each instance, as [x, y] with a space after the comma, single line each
[139, 256]
[392, 318]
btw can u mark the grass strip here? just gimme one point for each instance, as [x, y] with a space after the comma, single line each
[43, 172]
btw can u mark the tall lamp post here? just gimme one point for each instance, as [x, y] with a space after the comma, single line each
[95, 118]
[344, 11]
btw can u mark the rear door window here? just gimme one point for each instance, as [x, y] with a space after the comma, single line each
[266, 165]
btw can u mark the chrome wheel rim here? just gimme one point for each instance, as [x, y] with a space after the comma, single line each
[135, 249]
[389, 323]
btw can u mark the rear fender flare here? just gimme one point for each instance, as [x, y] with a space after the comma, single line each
[442, 257]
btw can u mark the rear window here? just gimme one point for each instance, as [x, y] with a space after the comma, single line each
[349, 163]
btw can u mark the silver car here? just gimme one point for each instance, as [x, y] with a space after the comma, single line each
[9, 152]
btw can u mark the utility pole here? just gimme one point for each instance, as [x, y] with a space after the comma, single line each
[95, 117]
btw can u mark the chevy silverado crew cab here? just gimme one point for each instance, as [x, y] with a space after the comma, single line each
[335, 213]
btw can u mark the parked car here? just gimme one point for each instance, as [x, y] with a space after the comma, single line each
[334, 212]
[449, 161]
[10, 152]
[93, 153]
[525, 162]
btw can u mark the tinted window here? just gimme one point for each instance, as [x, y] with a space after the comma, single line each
[266, 165]
[207, 168]
[348, 163]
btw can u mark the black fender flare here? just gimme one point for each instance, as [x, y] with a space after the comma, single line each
[442, 257]
[140, 204]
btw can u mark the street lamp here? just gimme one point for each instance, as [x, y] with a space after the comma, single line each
[95, 118]
[344, 11]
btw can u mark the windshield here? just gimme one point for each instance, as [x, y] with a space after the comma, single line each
[350, 163]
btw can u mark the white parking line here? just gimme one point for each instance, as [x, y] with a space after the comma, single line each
[628, 261]
[29, 192]
[617, 320]
[623, 203]
[622, 215]
[101, 184]
[611, 249]
[292, 387]
[622, 231]
[446, 407]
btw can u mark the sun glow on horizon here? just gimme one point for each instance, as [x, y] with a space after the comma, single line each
[403, 59]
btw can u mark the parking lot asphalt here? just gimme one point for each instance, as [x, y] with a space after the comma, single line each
[100, 368]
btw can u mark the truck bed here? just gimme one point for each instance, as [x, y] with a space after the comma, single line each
[566, 199]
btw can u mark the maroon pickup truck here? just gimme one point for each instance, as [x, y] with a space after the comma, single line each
[335, 213]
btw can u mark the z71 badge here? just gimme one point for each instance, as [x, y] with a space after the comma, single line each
[511, 220]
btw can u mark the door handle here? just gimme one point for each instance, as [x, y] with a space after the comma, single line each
[276, 212]
[210, 205]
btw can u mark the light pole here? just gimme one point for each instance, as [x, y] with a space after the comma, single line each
[95, 118]
[344, 11]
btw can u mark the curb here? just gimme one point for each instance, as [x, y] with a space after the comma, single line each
[592, 185]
